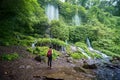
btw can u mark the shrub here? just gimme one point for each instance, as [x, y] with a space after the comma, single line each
[79, 33]
[30, 49]
[26, 41]
[55, 54]
[59, 30]
[98, 56]
[81, 45]
[10, 57]
[68, 49]
[49, 41]
[77, 56]
[115, 49]
[109, 53]
[42, 51]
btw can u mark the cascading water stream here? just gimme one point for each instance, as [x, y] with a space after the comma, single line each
[76, 19]
[83, 52]
[107, 71]
[52, 13]
[96, 51]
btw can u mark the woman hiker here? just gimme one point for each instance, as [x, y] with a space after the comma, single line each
[49, 55]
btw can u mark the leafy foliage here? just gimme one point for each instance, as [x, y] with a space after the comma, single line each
[77, 34]
[109, 53]
[9, 57]
[77, 56]
[19, 16]
[22, 21]
[59, 31]
[42, 51]
[49, 41]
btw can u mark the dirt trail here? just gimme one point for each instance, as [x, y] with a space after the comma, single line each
[27, 68]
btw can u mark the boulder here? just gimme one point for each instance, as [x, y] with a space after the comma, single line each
[89, 66]
[38, 58]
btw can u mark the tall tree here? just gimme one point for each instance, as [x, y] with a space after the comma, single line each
[19, 16]
[25, 12]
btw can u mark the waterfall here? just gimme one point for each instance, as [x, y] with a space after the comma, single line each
[76, 20]
[83, 52]
[96, 51]
[62, 0]
[52, 12]
[89, 45]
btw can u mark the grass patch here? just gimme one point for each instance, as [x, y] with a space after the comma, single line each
[77, 56]
[48, 41]
[9, 57]
[109, 53]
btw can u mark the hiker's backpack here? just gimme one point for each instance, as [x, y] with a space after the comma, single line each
[49, 53]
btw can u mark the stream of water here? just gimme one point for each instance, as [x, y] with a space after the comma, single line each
[96, 51]
[83, 52]
[105, 70]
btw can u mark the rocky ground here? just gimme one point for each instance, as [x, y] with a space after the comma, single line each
[27, 68]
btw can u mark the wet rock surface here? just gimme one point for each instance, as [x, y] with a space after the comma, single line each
[90, 66]
[108, 71]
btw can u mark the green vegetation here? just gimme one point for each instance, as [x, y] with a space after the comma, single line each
[49, 41]
[42, 51]
[19, 16]
[24, 22]
[9, 57]
[59, 31]
[77, 56]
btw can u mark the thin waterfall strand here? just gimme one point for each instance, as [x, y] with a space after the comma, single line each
[96, 51]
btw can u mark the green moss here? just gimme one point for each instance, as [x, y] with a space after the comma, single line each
[109, 53]
[77, 56]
